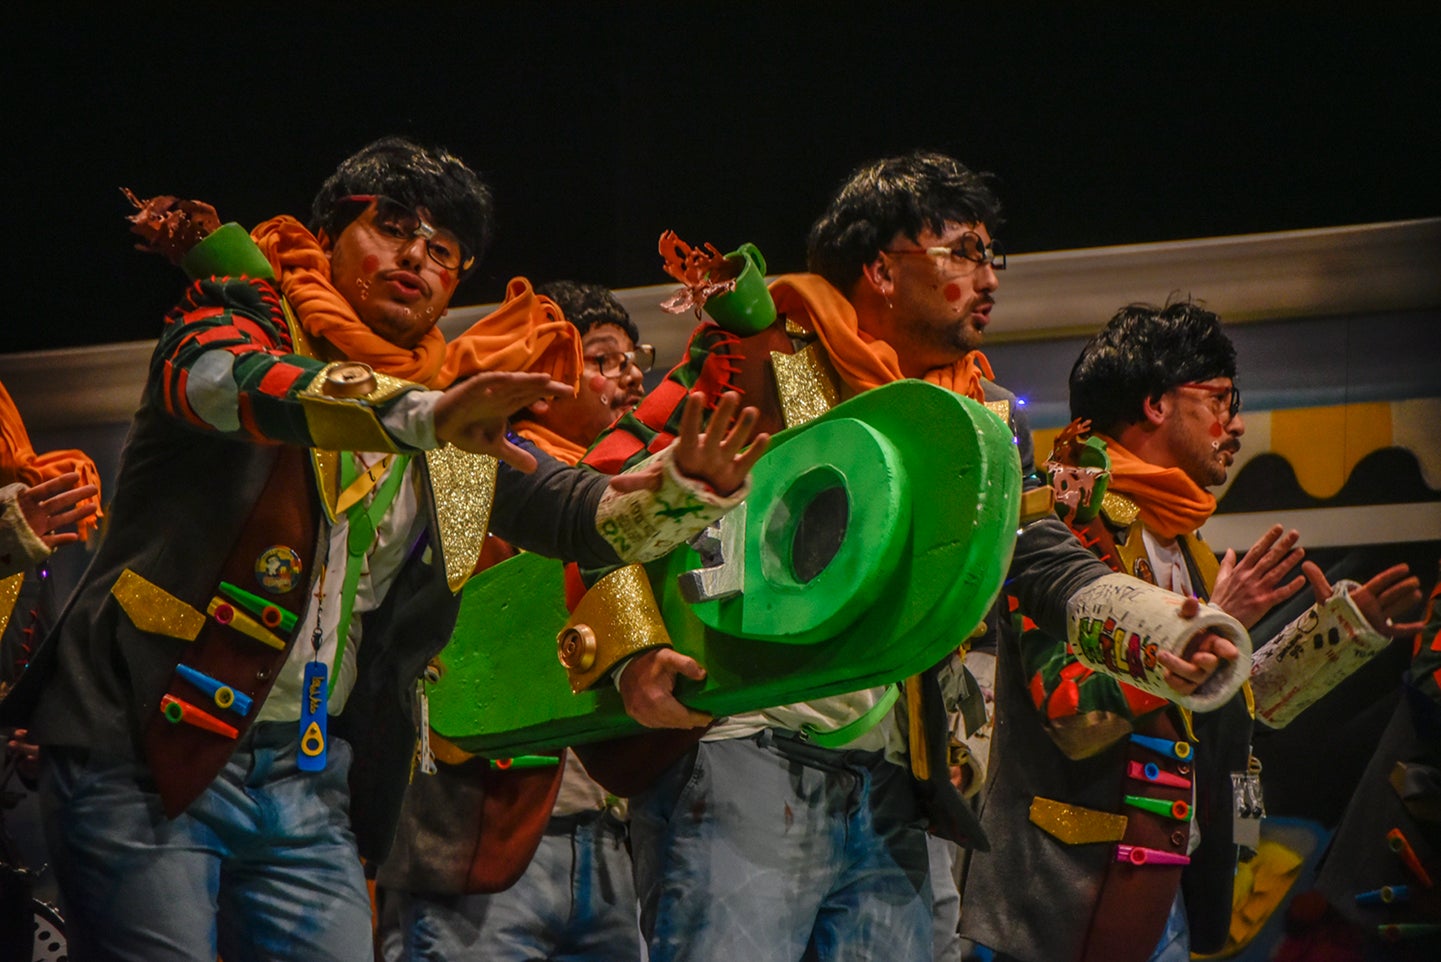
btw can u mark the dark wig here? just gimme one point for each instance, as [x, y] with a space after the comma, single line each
[1143, 352]
[432, 178]
[921, 190]
[586, 305]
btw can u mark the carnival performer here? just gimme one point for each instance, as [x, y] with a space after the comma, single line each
[531, 861]
[1128, 808]
[788, 833]
[226, 708]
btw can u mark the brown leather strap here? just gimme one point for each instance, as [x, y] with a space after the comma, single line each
[183, 758]
[515, 808]
[1135, 900]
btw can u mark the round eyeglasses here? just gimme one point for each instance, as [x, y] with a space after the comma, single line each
[397, 222]
[969, 248]
[1228, 398]
[617, 363]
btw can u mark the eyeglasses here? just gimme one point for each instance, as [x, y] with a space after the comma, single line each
[400, 223]
[1228, 397]
[971, 248]
[617, 363]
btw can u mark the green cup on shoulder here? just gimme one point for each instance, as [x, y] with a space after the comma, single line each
[748, 309]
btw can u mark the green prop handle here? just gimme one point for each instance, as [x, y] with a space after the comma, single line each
[227, 252]
[748, 309]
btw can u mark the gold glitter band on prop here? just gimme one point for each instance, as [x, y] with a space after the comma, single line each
[1037, 503]
[1001, 409]
[1075, 825]
[806, 383]
[462, 487]
[618, 617]
[153, 609]
[9, 594]
[339, 423]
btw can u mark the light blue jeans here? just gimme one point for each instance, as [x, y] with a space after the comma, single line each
[575, 902]
[263, 866]
[767, 850]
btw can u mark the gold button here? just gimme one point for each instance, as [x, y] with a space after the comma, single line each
[349, 379]
[577, 648]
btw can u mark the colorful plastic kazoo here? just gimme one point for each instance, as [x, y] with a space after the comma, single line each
[1402, 931]
[222, 694]
[1151, 772]
[1179, 810]
[1402, 847]
[177, 711]
[271, 615]
[1164, 746]
[227, 614]
[1385, 895]
[1139, 855]
[524, 761]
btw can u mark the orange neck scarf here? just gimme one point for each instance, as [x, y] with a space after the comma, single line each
[19, 462]
[862, 361]
[527, 332]
[562, 449]
[1171, 503]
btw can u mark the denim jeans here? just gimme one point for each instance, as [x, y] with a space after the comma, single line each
[262, 866]
[769, 850]
[576, 901]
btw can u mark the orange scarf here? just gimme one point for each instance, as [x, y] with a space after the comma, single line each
[1171, 503]
[562, 449]
[862, 361]
[526, 333]
[19, 462]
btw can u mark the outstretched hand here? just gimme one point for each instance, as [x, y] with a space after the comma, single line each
[647, 687]
[473, 414]
[1386, 596]
[1203, 656]
[719, 455]
[54, 504]
[1248, 589]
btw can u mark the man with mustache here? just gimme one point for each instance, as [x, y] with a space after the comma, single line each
[799, 831]
[1088, 770]
[565, 887]
[227, 707]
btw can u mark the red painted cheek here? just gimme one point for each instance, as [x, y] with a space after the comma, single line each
[597, 383]
[371, 264]
[447, 279]
[1217, 430]
[952, 292]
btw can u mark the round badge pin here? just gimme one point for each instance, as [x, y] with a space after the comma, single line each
[278, 569]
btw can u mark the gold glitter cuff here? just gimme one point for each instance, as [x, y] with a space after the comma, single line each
[462, 486]
[1001, 409]
[153, 609]
[1075, 825]
[617, 618]
[807, 384]
[9, 594]
[340, 417]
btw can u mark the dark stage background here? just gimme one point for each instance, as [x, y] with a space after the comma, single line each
[602, 124]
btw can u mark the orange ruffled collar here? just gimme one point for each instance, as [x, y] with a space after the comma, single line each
[527, 332]
[864, 362]
[1171, 503]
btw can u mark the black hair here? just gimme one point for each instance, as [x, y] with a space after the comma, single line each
[429, 177]
[908, 194]
[586, 305]
[1143, 352]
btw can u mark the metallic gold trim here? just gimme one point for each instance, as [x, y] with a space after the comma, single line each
[1001, 409]
[9, 594]
[1075, 825]
[621, 614]
[153, 609]
[1037, 503]
[1119, 509]
[462, 488]
[807, 384]
[348, 423]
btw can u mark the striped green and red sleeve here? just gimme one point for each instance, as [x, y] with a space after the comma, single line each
[1425, 670]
